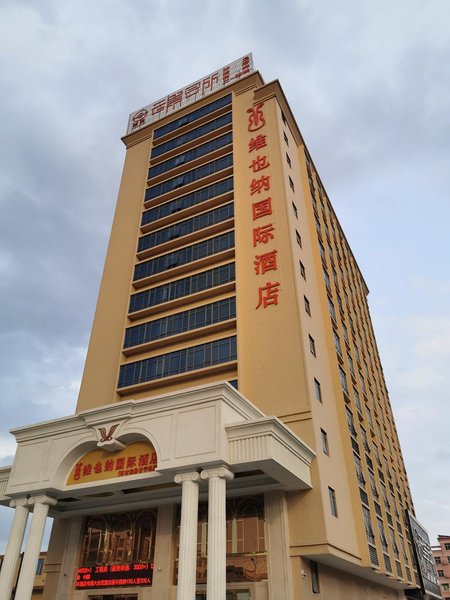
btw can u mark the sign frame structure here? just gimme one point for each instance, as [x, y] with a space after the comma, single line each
[190, 93]
[429, 581]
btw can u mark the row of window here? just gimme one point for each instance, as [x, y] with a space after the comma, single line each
[193, 116]
[186, 255]
[198, 173]
[201, 195]
[357, 459]
[189, 155]
[201, 316]
[317, 388]
[207, 219]
[193, 134]
[179, 361]
[354, 285]
[183, 287]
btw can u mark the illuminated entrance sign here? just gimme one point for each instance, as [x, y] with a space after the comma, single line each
[98, 576]
[100, 464]
[191, 93]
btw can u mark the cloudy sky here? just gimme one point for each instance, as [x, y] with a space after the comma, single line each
[369, 83]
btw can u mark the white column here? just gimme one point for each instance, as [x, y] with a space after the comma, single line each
[280, 582]
[187, 559]
[217, 540]
[33, 547]
[8, 570]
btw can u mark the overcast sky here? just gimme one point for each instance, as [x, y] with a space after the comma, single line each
[369, 84]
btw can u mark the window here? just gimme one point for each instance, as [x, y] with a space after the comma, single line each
[437, 560]
[312, 345]
[184, 256]
[373, 484]
[180, 361]
[193, 134]
[307, 305]
[317, 390]
[343, 378]
[302, 270]
[189, 176]
[368, 525]
[333, 505]
[324, 442]
[350, 421]
[440, 573]
[193, 116]
[288, 160]
[393, 542]
[294, 208]
[131, 538]
[285, 138]
[351, 366]
[359, 470]
[188, 320]
[291, 183]
[447, 546]
[190, 155]
[283, 118]
[314, 577]
[245, 540]
[298, 237]
[202, 221]
[192, 199]
[337, 343]
[383, 539]
[40, 566]
[182, 287]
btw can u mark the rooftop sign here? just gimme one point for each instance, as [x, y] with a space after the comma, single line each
[190, 93]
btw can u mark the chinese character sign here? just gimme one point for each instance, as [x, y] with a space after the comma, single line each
[262, 207]
[139, 457]
[192, 92]
[118, 575]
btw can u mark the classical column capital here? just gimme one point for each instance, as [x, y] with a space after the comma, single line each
[221, 472]
[15, 502]
[191, 476]
[44, 499]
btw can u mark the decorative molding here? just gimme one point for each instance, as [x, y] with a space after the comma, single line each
[107, 440]
[15, 502]
[221, 472]
[44, 499]
[182, 477]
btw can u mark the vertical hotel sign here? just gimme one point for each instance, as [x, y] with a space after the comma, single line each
[263, 234]
[191, 93]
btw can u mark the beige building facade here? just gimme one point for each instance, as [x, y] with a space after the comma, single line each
[233, 436]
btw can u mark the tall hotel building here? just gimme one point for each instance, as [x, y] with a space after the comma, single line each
[233, 436]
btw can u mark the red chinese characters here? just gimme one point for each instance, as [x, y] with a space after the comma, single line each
[264, 233]
[262, 208]
[266, 262]
[268, 294]
[256, 119]
[121, 466]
